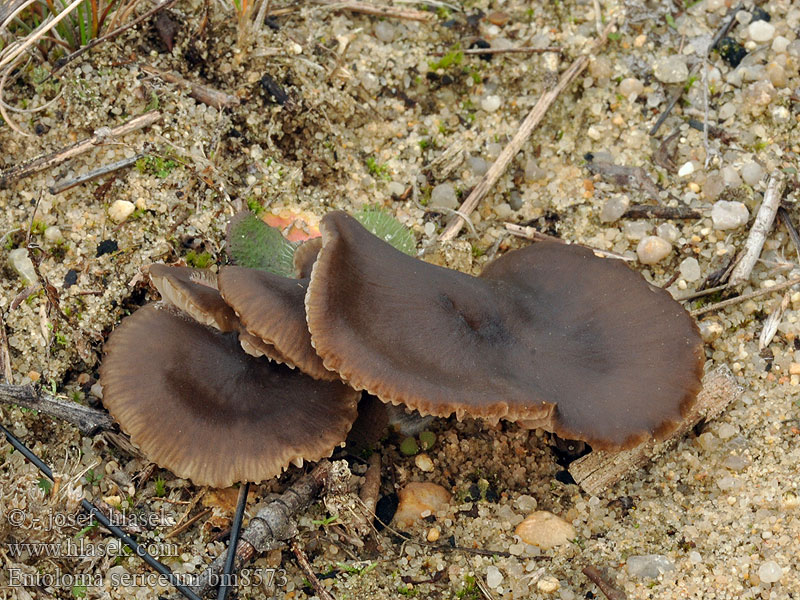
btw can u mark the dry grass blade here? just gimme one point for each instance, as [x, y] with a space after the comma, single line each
[743, 297]
[772, 322]
[530, 123]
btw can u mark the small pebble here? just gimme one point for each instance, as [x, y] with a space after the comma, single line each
[444, 196]
[384, 31]
[545, 530]
[648, 566]
[493, 577]
[730, 176]
[710, 330]
[671, 69]
[477, 165]
[726, 430]
[491, 103]
[419, 497]
[614, 208]
[770, 571]
[395, 188]
[652, 250]
[19, 260]
[752, 172]
[686, 169]
[729, 214]
[120, 210]
[690, 269]
[761, 31]
[53, 235]
[424, 463]
[526, 503]
[548, 584]
[630, 86]
[433, 534]
[669, 232]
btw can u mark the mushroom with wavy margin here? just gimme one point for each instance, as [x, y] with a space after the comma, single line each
[549, 335]
[198, 405]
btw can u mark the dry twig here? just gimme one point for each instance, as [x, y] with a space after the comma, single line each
[743, 297]
[786, 219]
[655, 211]
[761, 228]
[100, 136]
[520, 50]
[389, 12]
[597, 471]
[271, 526]
[202, 93]
[68, 184]
[596, 577]
[305, 566]
[88, 420]
[533, 119]
[529, 233]
[5, 355]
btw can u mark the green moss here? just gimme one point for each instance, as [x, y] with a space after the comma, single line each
[199, 261]
[451, 59]
[379, 171]
[156, 165]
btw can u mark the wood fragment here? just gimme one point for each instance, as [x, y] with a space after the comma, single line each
[743, 297]
[101, 136]
[530, 123]
[520, 50]
[68, 184]
[200, 92]
[761, 228]
[530, 233]
[270, 527]
[772, 322]
[5, 354]
[701, 293]
[609, 591]
[656, 211]
[597, 471]
[188, 523]
[305, 566]
[88, 420]
[364, 8]
[786, 219]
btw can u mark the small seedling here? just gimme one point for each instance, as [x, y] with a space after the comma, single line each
[409, 446]
[427, 439]
[326, 521]
[451, 59]
[45, 485]
[161, 487]
[379, 171]
[199, 261]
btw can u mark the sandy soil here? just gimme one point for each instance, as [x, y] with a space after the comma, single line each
[338, 110]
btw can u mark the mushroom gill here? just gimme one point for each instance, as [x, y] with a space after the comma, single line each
[198, 405]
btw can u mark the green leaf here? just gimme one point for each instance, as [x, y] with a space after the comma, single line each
[254, 244]
[380, 223]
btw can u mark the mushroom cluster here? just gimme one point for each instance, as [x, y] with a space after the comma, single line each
[549, 336]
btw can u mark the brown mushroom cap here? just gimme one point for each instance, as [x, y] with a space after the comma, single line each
[304, 257]
[194, 291]
[272, 308]
[196, 404]
[582, 346]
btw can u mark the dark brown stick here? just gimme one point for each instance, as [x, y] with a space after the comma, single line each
[88, 420]
[521, 50]
[305, 566]
[5, 355]
[202, 93]
[271, 526]
[596, 577]
[652, 211]
[54, 159]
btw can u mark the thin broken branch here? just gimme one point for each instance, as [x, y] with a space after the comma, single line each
[101, 136]
[520, 50]
[761, 228]
[271, 526]
[655, 211]
[597, 471]
[609, 591]
[530, 123]
[68, 184]
[305, 566]
[88, 420]
[200, 92]
[389, 12]
[743, 297]
[786, 219]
